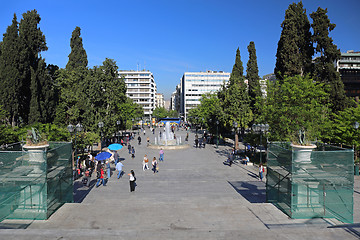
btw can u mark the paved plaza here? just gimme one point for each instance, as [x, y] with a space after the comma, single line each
[193, 196]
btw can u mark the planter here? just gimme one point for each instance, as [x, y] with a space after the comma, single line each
[37, 156]
[302, 153]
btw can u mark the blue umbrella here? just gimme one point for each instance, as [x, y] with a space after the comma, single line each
[103, 156]
[115, 147]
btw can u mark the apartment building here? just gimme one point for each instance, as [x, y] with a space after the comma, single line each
[159, 100]
[195, 84]
[141, 88]
[349, 68]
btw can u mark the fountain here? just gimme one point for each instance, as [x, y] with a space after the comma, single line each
[168, 140]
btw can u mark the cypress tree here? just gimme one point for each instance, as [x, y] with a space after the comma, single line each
[77, 56]
[32, 42]
[237, 71]
[252, 75]
[294, 50]
[324, 68]
[10, 83]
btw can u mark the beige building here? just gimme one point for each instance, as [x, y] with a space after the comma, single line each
[159, 100]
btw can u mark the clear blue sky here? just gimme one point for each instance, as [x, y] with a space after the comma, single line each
[171, 37]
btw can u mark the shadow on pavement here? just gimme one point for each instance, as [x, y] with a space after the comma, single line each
[253, 191]
[81, 191]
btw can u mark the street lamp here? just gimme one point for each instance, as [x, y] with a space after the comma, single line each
[235, 125]
[196, 122]
[118, 123]
[217, 133]
[75, 130]
[101, 125]
[260, 128]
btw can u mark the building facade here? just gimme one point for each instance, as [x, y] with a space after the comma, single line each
[159, 100]
[141, 88]
[195, 84]
[349, 68]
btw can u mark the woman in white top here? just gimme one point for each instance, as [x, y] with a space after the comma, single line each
[261, 171]
[132, 180]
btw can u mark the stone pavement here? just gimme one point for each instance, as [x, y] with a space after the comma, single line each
[193, 196]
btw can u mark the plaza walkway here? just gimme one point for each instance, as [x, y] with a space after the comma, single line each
[193, 196]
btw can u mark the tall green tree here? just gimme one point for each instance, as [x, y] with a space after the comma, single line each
[236, 102]
[295, 50]
[31, 43]
[252, 75]
[237, 71]
[10, 81]
[77, 56]
[324, 69]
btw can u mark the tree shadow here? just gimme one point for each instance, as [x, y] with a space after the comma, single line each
[253, 191]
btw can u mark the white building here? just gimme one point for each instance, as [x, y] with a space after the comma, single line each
[195, 84]
[141, 88]
[159, 100]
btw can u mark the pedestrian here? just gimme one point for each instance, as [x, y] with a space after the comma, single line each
[261, 171]
[108, 168]
[246, 160]
[204, 141]
[132, 180]
[144, 131]
[129, 148]
[161, 152]
[132, 152]
[160, 133]
[154, 164]
[139, 140]
[119, 167]
[187, 137]
[196, 140]
[148, 141]
[145, 163]
[116, 157]
[101, 177]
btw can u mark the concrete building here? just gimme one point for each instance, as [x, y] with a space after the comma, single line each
[159, 100]
[349, 68]
[141, 88]
[195, 84]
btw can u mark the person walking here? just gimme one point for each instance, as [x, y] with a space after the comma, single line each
[129, 148]
[132, 152]
[139, 140]
[145, 163]
[116, 157]
[161, 152]
[101, 178]
[261, 171]
[196, 140]
[132, 180]
[148, 141]
[154, 164]
[119, 167]
[108, 169]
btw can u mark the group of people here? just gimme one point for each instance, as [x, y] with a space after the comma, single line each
[154, 162]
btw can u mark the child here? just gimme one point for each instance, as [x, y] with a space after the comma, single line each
[132, 152]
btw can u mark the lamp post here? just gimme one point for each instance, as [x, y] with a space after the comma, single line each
[235, 124]
[260, 128]
[196, 122]
[118, 123]
[101, 125]
[75, 130]
[217, 133]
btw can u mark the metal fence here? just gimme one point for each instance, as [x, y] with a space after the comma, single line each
[31, 189]
[321, 186]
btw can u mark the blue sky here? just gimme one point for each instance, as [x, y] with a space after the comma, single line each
[171, 37]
